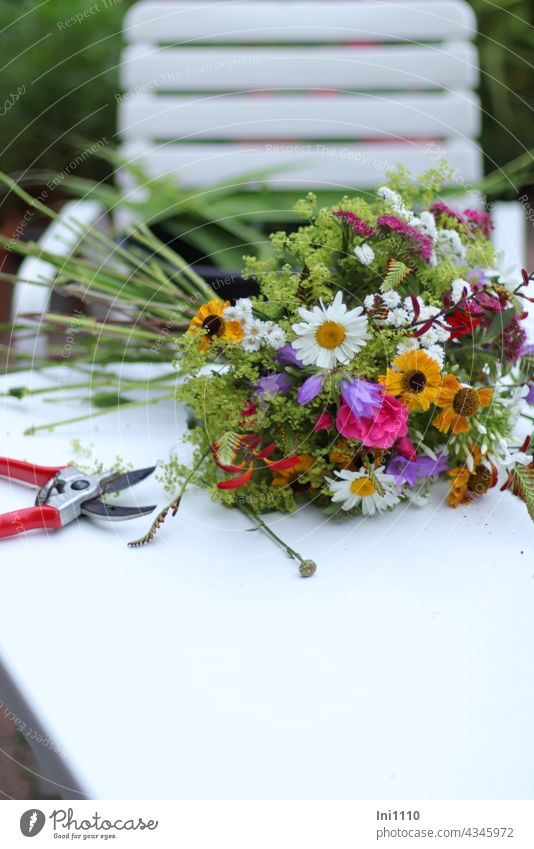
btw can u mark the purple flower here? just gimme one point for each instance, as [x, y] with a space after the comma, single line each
[310, 388]
[407, 471]
[287, 356]
[422, 245]
[527, 350]
[273, 383]
[362, 397]
[529, 397]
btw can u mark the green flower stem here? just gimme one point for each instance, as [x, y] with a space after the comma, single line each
[371, 473]
[51, 425]
[306, 567]
[124, 385]
[170, 508]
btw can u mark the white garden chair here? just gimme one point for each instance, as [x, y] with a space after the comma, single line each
[334, 94]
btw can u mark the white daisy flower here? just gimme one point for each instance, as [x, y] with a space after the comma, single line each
[365, 254]
[241, 311]
[369, 302]
[329, 335]
[357, 488]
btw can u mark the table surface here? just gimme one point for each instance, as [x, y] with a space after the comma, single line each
[203, 667]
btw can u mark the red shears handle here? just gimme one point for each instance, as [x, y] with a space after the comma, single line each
[30, 519]
[27, 472]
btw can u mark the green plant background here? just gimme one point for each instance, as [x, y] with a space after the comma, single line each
[70, 78]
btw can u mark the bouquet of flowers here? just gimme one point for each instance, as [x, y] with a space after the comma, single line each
[385, 350]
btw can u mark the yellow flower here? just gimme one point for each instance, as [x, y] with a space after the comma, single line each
[459, 404]
[210, 317]
[467, 484]
[289, 476]
[415, 377]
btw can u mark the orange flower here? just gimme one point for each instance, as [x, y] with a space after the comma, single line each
[459, 403]
[467, 484]
[210, 318]
[285, 477]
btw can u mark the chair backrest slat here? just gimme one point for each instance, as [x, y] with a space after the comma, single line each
[393, 67]
[252, 74]
[318, 166]
[301, 21]
[351, 117]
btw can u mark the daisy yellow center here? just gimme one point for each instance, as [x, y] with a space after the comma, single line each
[214, 324]
[330, 334]
[414, 381]
[466, 402]
[363, 487]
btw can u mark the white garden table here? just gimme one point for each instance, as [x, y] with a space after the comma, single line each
[203, 667]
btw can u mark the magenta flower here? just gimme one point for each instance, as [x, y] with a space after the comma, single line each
[408, 471]
[405, 448]
[478, 221]
[439, 207]
[511, 341]
[310, 388]
[362, 397]
[387, 424]
[422, 245]
[324, 422]
[358, 224]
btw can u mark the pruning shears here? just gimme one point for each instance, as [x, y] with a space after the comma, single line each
[66, 493]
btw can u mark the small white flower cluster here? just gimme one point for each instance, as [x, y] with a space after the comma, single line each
[256, 333]
[401, 314]
[390, 299]
[449, 247]
[396, 205]
[364, 253]
[460, 289]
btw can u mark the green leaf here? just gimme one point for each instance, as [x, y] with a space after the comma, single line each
[499, 323]
[397, 272]
[108, 399]
[524, 486]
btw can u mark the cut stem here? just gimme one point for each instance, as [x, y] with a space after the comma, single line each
[307, 568]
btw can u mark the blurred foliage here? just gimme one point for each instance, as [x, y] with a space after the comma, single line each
[58, 80]
[506, 54]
